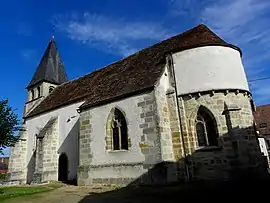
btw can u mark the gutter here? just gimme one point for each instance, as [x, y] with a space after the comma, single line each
[171, 65]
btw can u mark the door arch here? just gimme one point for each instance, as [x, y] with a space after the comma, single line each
[63, 168]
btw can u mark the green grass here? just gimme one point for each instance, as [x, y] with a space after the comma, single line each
[16, 191]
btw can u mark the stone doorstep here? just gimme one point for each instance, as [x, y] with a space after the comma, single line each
[42, 183]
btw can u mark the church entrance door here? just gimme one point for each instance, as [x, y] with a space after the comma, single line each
[63, 168]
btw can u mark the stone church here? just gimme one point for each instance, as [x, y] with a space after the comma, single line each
[180, 109]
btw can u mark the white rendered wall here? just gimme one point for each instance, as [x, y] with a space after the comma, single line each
[209, 68]
[98, 121]
[68, 134]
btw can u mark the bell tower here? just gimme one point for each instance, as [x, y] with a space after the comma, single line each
[49, 74]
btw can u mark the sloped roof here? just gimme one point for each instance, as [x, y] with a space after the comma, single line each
[131, 75]
[262, 116]
[50, 68]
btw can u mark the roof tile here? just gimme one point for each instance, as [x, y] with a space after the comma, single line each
[137, 72]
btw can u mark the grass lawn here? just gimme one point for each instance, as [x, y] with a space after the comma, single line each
[16, 191]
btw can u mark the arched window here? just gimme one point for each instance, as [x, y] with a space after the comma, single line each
[206, 128]
[38, 90]
[51, 88]
[117, 132]
[32, 94]
[119, 129]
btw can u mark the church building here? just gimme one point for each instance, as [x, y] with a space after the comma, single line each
[180, 109]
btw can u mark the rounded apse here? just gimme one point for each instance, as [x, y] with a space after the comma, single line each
[209, 68]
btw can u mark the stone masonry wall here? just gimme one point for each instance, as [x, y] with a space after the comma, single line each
[94, 174]
[50, 154]
[46, 167]
[85, 155]
[235, 131]
[178, 149]
[165, 131]
[148, 123]
[150, 139]
[146, 172]
[17, 161]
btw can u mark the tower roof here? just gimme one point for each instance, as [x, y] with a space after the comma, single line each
[50, 68]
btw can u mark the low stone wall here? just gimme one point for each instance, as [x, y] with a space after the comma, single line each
[118, 174]
[127, 174]
[9, 183]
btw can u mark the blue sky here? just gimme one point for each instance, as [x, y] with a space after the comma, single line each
[92, 34]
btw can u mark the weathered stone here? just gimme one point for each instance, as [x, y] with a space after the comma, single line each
[151, 113]
[85, 122]
[165, 109]
[82, 127]
[84, 140]
[140, 104]
[148, 130]
[148, 119]
[144, 125]
[148, 102]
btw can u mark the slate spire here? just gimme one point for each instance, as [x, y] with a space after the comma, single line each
[50, 68]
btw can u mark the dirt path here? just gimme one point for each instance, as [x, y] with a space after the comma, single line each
[65, 194]
[190, 192]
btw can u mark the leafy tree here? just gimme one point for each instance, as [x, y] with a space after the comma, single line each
[9, 125]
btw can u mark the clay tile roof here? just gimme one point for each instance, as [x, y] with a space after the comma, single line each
[50, 68]
[135, 73]
[262, 116]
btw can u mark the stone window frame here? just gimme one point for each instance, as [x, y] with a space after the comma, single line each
[109, 131]
[193, 124]
[200, 120]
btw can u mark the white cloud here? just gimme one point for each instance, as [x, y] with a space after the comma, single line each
[111, 35]
[241, 22]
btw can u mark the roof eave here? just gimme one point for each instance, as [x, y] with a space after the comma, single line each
[204, 45]
[84, 107]
[44, 80]
[93, 105]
